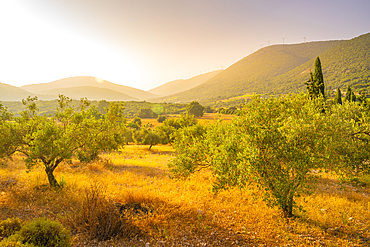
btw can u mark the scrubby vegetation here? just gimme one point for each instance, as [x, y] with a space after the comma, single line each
[292, 170]
[39, 232]
[70, 133]
[132, 108]
[186, 211]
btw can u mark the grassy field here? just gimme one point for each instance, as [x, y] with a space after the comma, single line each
[184, 212]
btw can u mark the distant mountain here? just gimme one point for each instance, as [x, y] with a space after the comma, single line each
[346, 64]
[278, 69]
[11, 93]
[91, 93]
[181, 85]
[83, 81]
[254, 73]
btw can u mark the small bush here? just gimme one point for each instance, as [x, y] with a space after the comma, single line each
[15, 241]
[45, 233]
[10, 226]
[161, 118]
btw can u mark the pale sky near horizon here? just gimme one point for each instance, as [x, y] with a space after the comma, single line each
[146, 43]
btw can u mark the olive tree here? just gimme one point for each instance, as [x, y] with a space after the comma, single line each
[8, 133]
[195, 109]
[146, 136]
[168, 128]
[275, 143]
[50, 140]
[349, 132]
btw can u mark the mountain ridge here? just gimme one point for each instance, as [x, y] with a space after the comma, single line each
[245, 76]
[12, 93]
[343, 65]
[78, 81]
[91, 93]
[278, 69]
[181, 85]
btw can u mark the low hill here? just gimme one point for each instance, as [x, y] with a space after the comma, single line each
[11, 93]
[178, 86]
[91, 93]
[345, 64]
[83, 81]
[254, 72]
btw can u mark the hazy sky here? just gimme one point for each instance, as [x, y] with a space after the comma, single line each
[145, 43]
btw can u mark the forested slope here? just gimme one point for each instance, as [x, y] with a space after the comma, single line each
[345, 64]
[254, 73]
[11, 93]
[178, 86]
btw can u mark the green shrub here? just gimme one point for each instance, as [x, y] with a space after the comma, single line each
[45, 233]
[15, 240]
[161, 118]
[10, 226]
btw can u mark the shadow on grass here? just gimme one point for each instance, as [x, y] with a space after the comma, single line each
[351, 191]
[162, 152]
[38, 201]
[176, 224]
[335, 232]
[141, 170]
[179, 225]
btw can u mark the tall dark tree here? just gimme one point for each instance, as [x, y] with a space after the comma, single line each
[310, 86]
[338, 97]
[315, 85]
[318, 77]
[350, 95]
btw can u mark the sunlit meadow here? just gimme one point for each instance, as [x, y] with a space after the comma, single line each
[187, 212]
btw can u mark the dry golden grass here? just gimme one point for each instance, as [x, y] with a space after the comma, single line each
[151, 121]
[212, 117]
[186, 212]
[207, 118]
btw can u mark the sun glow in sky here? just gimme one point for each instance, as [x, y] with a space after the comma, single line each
[37, 52]
[146, 43]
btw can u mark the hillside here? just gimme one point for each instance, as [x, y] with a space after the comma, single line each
[254, 72]
[345, 64]
[81, 81]
[178, 86]
[91, 93]
[11, 93]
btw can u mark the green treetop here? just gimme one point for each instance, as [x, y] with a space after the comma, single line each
[338, 97]
[315, 85]
[195, 109]
[350, 95]
[318, 76]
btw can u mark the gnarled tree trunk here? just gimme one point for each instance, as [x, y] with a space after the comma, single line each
[52, 181]
[49, 169]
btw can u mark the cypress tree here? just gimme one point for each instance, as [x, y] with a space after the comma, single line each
[338, 97]
[318, 77]
[349, 94]
[315, 85]
[353, 97]
[311, 86]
